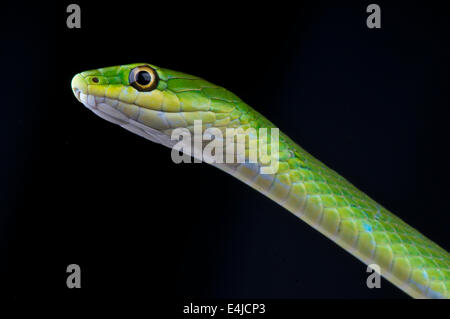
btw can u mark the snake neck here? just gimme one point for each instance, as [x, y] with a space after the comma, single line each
[337, 209]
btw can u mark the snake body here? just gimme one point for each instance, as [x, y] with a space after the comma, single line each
[152, 102]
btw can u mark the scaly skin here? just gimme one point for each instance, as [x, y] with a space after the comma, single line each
[303, 185]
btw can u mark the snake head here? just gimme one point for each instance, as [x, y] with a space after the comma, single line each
[152, 101]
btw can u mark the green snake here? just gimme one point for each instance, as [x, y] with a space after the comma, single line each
[152, 102]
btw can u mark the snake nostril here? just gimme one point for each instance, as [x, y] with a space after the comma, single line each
[95, 80]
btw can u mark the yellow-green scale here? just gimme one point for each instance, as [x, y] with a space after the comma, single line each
[333, 206]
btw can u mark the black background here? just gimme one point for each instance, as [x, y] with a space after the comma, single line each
[370, 103]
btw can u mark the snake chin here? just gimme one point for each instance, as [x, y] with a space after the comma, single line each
[101, 107]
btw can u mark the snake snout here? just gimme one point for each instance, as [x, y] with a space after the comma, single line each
[79, 86]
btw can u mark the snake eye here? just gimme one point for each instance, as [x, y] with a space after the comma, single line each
[143, 78]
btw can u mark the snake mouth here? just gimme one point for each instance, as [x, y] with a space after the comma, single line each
[97, 104]
[102, 108]
[77, 93]
[107, 109]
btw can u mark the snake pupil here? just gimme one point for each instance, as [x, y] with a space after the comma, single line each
[143, 78]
